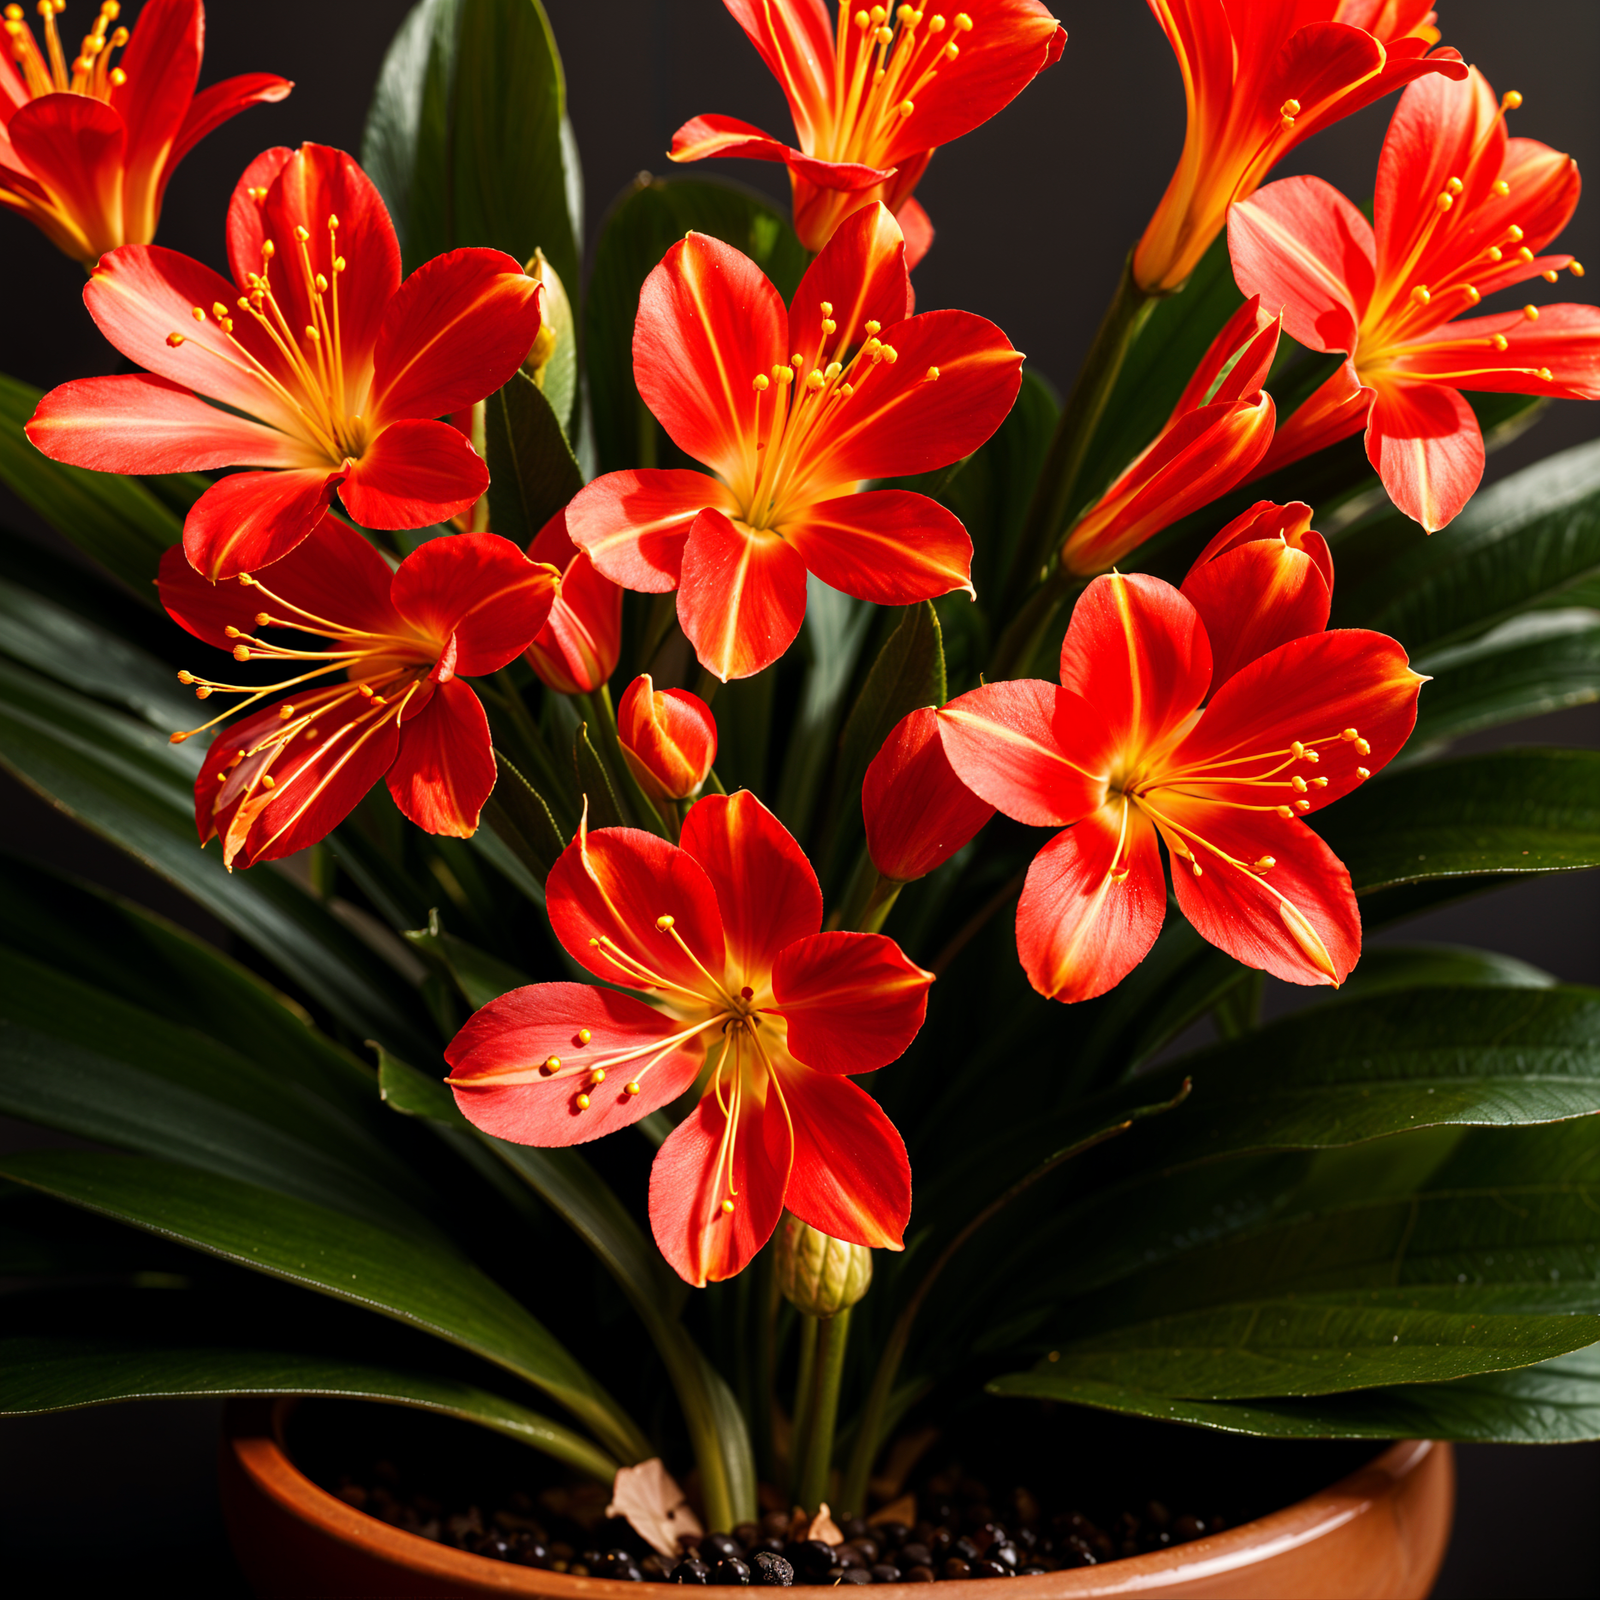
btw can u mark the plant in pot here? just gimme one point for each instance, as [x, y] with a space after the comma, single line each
[681, 760]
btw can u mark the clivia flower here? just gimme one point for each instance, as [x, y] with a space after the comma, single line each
[792, 410]
[1215, 438]
[578, 648]
[721, 933]
[668, 738]
[1461, 211]
[917, 811]
[86, 148]
[872, 94]
[1152, 736]
[332, 371]
[384, 698]
[1258, 77]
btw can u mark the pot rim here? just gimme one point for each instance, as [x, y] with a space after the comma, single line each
[253, 1433]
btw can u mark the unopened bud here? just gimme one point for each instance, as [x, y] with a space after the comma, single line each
[551, 363]
[818, 1274]
[668, 737]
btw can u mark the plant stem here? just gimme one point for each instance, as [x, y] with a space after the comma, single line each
[885, 891]
[804, 1379]
[603, 719]
[1069, 447]
[832, 1335]
[706, 685]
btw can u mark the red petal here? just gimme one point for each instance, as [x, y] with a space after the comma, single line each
[1564, 340]
[850, 1177]
[765, 888]
[1138, 653]
[220, 103]
[861, 276]
[455, 331]
[1236, 362]
[853, 1002]
[669, 738]
[1428, 449]
[1339, 408]
[889, 546]
[414, 473]
[1301, 245]
[479, 588]
[1035, 752]
[73, 146]
[578, 647]
[633, 524]
[162, 66]
[741, 596]
[1081, 930]
[614, 885]
[246, 216]
[918, 812]
[444, 769]
[796, 42]
[1297, 919]
[252, 519]
[139, 423]
[708, 311]
[902, 420]
[704, 137]
[688, 1184]
[496, 1058]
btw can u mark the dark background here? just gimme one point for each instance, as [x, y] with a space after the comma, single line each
[1034, 213]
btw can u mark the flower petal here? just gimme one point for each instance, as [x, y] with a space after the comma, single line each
[850, 1177]
[918, 813]
[796, 42]
[444, 770]
[73, 145]
[1300, 244]
[741, 596]
[1338, 408]
[454, 332]
[1092, 904]
[765, 888]
[161, 66]
[708, 323]
[251, 519]
[414, 473]
[1563, 341]
[1426, 444]
[889, 546]
[144, 424]
[577, 649]
[1136, 651]
[614, 885]
[634, 524]
[479, 588]
[219, 103]
[1297, 919]
[496, 1063]
[1036, 752]
[860, 276]
[853, 1001]
[704, 137]
[917, 227]
[246, 216]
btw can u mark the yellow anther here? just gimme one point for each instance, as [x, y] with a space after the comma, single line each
[1445, 201]
[826, 307]
[1531, 313]
[797, 362]
[203, 692]
[338, 263]
[1545, 375]
[832, 371]
[829, 327]
[951, 51]
[861, 19]
[311, 735]
[1196, 868]
[936, 23]
[1501, 187]
[1319, 783]
[890, 354]
[1473, 297]
[199, 314]
[630, 1088]
[1510, 100]
[846, 390]
[174, 339]
[1349, 735]
[1420, 295]
[1362, 747]
[268, 781]
[268, 249]
[1455, 186]
[727, 1206]
[874, 329]
[550, 1066]
[584, 1036]
[583, 1102]
[933, 374]
[1524, 255]
[1550, 275]
[1311, 755]
[1575, 268]
[301, 232]
[760, 383]
[322, 284]
[1302, 805]
[1514, 234]
[783, 374]
[1362, 774]
[1283, 811]
[1266, 863]
[185, 677]
[333, 224]
[906, 16]
[218, 309]
[907, 107]
[597, 1077]
[285, 712]
[1297, 750]
[884, 35]
[814, 380]
[1494, 252]
[314, 334]
[877, 15]
[1499, 341]
[1289, 108]
[663, 923]
[1298, 785]
[963, 22]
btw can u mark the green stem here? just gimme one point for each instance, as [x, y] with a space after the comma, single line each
[832, 1335]
[603, 720]
[800, 1436]
[885, 891]
[767, 1302]
[1069, 447]
[707, 684]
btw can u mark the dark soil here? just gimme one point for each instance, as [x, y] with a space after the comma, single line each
[1011, 1494]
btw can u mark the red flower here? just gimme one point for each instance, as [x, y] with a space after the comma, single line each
[1461, 212]
[1122, 754]
[722, 934]
[399, 644]
[1217, 434]
[872, 95]
[865, 393]
[668, 737]
[86, 148]
[333, 372]
[917, 811]
[578, 648]
[1259, 76]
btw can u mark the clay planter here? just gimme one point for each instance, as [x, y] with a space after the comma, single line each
[1378, 1534]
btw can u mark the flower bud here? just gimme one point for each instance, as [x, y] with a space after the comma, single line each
[918, 812]
[576, 651]
[817, 1274]
[669, 738]
[555, 324]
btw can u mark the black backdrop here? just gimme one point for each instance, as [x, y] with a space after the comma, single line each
[1034, 213]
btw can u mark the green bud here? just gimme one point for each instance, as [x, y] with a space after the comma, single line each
[818, 1274]
[552, 363]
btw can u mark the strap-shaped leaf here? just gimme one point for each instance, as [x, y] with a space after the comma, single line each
[532, 470]
[479, 976]
[402, 1276]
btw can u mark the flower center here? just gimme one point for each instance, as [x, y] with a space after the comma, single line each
[879, 68]
[316, 386]
[48, 71]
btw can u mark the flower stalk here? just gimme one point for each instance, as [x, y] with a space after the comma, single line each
[832, 1335]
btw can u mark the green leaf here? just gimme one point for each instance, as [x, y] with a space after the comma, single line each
[479, 976]
[518, 816]
[532, 471]
[1512, 813]
[1384, 969]
[42, 1375]
[1517, 544]
[645, 222]
[122, 780]
[1554, 1402]
[116, 520]
[594, 784]
[401, 1276]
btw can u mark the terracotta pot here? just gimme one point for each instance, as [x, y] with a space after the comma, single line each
[1379, 1534]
